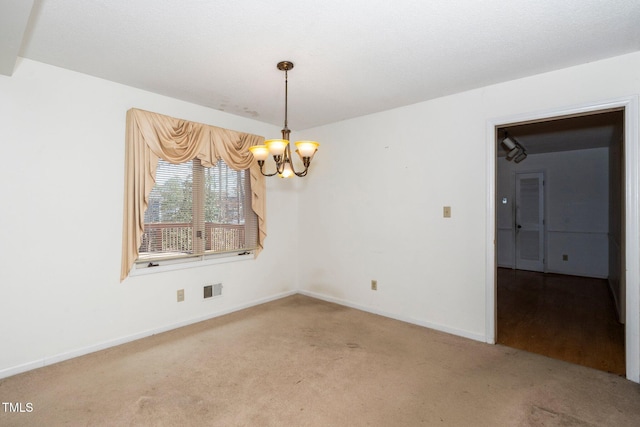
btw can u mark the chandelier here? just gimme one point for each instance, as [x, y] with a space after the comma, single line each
[279, 148]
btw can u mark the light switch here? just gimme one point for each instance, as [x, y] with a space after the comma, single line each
[446, 212]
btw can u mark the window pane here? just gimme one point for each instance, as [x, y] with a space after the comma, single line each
[229, 219]
[169, 216]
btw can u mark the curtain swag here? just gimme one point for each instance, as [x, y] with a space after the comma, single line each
[152, 136]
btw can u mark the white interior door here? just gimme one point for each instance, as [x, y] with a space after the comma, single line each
[529, 221]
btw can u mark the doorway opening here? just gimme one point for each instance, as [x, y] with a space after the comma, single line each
[559, 233]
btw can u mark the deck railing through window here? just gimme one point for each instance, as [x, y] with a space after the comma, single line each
[178, 238]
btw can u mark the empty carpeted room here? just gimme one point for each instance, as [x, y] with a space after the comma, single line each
[153, 274]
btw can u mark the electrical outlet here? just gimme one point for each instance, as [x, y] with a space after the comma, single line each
[180, 295]
[446, 212]
[565, 257]
[374, 285]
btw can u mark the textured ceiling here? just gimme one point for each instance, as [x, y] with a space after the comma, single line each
[352, 57]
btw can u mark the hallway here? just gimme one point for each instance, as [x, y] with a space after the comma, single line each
[564, 317]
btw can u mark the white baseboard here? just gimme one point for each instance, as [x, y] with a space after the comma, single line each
[50, 360]
[430, 325]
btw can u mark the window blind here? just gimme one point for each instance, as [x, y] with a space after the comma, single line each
[196, 210]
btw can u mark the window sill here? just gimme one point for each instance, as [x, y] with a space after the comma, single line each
[141, 268]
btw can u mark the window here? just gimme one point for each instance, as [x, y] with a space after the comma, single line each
[198, 211]
[191, 192]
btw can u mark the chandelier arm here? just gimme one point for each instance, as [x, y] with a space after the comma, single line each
[280, 161]
[261, 164]
[306, 161]
[300, 174]
[288, 156]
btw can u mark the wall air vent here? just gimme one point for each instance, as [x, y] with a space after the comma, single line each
[214, 290]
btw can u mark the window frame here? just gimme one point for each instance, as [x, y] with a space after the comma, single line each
[198, 223]
[141, 268]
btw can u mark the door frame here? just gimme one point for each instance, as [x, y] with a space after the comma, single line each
[631, 218]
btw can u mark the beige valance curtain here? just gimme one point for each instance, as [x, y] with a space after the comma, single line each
[152, 136]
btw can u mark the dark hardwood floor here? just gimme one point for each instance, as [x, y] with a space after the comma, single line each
[564, 317]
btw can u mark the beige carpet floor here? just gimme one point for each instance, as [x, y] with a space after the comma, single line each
[303, 362]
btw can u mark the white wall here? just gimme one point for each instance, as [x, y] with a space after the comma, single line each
[373, 208]
[576, 197]
[61, 182]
